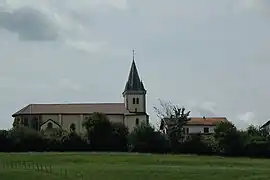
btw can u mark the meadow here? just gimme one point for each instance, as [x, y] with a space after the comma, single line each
[116, 166]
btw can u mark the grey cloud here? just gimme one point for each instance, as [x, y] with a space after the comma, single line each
[217, 54]
[206, 108]
[29, 24]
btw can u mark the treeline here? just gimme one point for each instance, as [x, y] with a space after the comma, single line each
[102, 135]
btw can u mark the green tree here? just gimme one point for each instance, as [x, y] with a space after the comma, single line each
[16, 122]
[5, 141]
[26, 139]
[119, 137]
[231, 141]
[257, 143]
[99, 130]
[172, 119]
[144, 138]
[72, 128]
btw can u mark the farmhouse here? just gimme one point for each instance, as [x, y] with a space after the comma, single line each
[131, 112]
[203, 125]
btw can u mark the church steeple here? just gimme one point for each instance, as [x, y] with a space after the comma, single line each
[134, 82]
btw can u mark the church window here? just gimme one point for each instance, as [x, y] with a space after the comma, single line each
[25, 122]
[49, 125]
[137, 101]
[137, 121]
[134, 100]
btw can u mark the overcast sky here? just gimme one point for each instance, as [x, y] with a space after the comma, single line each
[211, 56]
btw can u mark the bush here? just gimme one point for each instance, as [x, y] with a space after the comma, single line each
[103, 135]
[145, 139]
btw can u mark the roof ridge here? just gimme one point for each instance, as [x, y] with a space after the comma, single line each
[72, 103]
[212, 117]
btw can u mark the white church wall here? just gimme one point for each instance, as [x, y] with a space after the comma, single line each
[130, 121]
[133, 107]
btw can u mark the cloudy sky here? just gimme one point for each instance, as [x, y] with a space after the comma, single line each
[210, 56]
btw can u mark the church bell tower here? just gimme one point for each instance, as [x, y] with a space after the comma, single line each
[134, 93]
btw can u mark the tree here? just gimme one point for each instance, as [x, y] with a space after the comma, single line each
[199, 144]
[26, 139]
[16, 122]
[119, 137]
[99, 130]
[72, 128]
[145, 139]
[257, 143]
[231, 141]
[172, 119]
[5, 141]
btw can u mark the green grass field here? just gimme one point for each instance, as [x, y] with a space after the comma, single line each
[102, 166]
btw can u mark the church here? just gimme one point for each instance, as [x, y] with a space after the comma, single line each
[131, 112]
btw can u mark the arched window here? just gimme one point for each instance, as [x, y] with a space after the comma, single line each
[137, 121]
[134, 101]
[137, 100]
[49, 125]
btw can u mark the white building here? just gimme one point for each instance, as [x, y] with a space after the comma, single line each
[198, 125]
[203, 125]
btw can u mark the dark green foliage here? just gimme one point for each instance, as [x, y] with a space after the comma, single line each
[72, 127]
[144, 138]
[172, 120]
[16, 123]
[119, 137]
[26, 139]
[103, 135]
[197, 144]
[231, 141]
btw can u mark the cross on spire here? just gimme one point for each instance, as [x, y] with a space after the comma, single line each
[133, 54]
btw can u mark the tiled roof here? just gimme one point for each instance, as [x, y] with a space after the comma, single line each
[207, 121]
[82, 108]
[202, 121]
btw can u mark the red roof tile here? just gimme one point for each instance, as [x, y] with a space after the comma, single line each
[209, 121]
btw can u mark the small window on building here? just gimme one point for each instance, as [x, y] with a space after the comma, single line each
[206, 130]
[137, 121]
[134, 102]
[136, 109]
[137, 101]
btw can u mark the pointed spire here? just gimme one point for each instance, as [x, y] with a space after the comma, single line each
[134, 83]
[133, 55]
